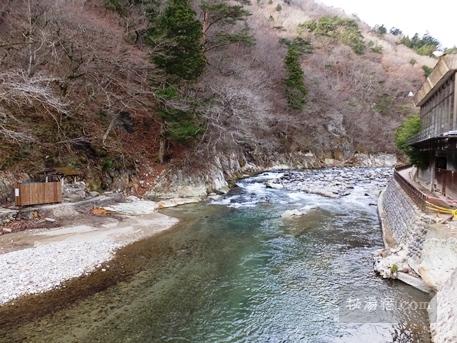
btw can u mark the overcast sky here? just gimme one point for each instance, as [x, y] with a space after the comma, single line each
[436, 17]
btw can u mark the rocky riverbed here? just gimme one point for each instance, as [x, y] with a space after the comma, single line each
[331, 182]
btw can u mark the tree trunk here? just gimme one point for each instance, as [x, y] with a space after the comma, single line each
[205, 26]
[162, 144]
[30, 39]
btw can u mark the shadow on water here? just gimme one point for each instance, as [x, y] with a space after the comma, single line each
[231, 275]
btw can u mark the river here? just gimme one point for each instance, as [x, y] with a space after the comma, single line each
[245, 267]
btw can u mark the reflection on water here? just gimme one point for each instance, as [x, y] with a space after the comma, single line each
[236, 270]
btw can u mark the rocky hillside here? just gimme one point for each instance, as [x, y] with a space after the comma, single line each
[88, 84]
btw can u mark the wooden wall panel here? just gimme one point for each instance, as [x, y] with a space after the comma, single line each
[37, 193]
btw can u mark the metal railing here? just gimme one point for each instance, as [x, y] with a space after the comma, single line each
[429, 133]
[423, 135]
[427, 203]
[419, 198]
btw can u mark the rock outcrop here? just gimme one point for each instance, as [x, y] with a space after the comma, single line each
[216, 177]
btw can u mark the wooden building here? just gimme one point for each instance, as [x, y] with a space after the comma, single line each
[437, 139]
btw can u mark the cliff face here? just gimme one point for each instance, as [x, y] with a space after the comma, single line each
[76, 90]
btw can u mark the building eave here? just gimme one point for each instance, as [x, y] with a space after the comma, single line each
[444, 68]
[447, 136]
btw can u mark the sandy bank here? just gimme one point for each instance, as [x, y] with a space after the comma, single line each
[39, 260]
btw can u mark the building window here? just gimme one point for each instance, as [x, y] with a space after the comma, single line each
[437, 112]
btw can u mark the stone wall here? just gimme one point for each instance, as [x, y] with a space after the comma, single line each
[404, 221]
[426, 245]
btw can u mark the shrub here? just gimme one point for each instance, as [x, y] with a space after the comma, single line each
[344, 30]
[393, 268]
[409, 128]
[303, 46]
[183, 131]
[384, 104]
[107, 164]
[427, 70]
[412, 61]
[167, 92]
[374, 47]
[115, 5]
[396, 31]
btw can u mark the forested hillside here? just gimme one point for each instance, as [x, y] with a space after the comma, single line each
[133, 86]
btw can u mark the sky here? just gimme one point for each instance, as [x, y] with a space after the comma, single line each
[436, 17]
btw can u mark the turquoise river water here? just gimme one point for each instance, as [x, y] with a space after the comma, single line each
[239, 269]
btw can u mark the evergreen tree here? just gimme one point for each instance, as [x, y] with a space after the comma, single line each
[424, 45]
[380, 29]
[217, 17]
[180, 41]
[295, 83]
[396, 31]
[179, 33]
[176, 35]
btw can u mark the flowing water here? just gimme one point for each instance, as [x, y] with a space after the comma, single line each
[242, 269]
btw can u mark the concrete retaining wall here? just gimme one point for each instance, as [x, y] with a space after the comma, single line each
[431, 251]
[403, 220]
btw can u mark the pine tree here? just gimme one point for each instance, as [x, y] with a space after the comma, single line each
[218, 17]
[295, 82]
[179, 33]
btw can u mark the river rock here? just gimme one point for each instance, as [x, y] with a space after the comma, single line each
[74, 191]
[134, 208]
[388, 262]
[298, 212]
[273, 185]
[177, 202]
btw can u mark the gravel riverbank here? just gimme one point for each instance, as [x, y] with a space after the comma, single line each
[36, 261]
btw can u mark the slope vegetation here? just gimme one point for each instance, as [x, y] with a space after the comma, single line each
[86, 84]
